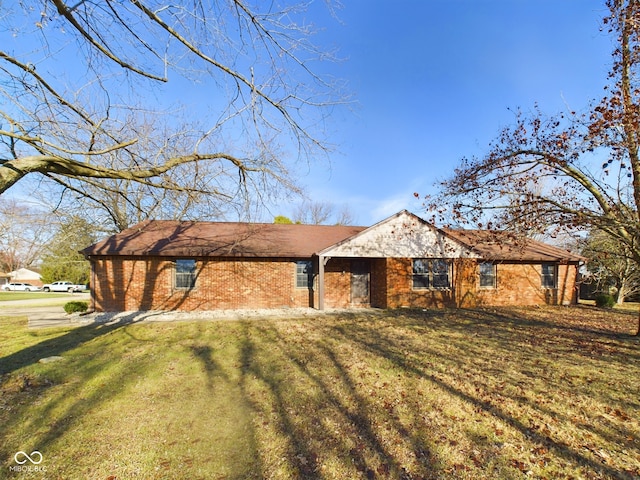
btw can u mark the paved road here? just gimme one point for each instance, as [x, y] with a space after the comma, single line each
[43, 312]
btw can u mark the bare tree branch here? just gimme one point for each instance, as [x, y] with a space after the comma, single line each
[256, 62]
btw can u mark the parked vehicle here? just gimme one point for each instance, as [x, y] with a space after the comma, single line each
[20, 287]
[63, 287]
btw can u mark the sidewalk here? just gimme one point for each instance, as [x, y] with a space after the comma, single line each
[41, 316]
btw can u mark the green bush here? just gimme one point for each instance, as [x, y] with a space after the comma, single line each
[76, 306]
[605, 301]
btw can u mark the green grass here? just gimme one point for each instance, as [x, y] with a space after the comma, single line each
[6, 296]
[53, 296]
[627, 306]
[487, 394]
[45, 299]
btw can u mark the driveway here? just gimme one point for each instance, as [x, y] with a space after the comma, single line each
[43, 312]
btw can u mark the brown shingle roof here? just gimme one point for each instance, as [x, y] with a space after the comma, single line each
[500, 245]
[268, 240]
[223, 239]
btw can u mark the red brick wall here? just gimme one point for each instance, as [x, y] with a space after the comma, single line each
[517, 284]
[128, 283]
[124, 284]
[521, 284]
[379, 283]
[400, 291]
[337, 283]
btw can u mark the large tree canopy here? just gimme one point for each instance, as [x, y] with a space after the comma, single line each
[574, 170]
[79, 81]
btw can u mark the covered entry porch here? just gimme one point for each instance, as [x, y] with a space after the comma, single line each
[350, 282]
[345, 282]
[374, 267]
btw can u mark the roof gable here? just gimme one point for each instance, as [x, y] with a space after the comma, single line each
[403, 235]
[24, 274]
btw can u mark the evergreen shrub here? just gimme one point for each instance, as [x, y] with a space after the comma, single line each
[605, 301]
[76, 306]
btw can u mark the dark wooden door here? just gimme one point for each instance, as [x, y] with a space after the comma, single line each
[360, 280]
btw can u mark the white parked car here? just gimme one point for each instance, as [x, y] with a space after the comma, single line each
[20, 287]
[63, 287]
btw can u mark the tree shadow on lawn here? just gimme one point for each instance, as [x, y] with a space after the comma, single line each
[311, 377]
[73, 338]
[48, 426]
[313, 404]
[553, 327]
[326, 419]
[499, 326]
[620, 324]
[48, 413]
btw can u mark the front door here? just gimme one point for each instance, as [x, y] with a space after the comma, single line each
[360, 279]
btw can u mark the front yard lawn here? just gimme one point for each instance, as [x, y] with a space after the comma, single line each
[10, 296]
[477, 394]
[7, 296]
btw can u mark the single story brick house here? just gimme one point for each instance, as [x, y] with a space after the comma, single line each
[402, 261]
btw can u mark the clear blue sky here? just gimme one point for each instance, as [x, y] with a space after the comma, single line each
[435, 80]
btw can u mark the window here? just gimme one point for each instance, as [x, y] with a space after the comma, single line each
[548, 275]
[420, 273]
[440, 273]
[431, 273]
[185, 272]
[488, 275]
[304, 274]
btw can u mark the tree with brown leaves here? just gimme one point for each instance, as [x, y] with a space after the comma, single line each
[572, 171]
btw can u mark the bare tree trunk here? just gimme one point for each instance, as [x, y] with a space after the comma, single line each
[622, 292]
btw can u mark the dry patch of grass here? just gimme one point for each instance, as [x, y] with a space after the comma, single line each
[479, 394]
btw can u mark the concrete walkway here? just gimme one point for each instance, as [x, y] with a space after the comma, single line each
[49, 312]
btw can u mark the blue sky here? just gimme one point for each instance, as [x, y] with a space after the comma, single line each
[435, 80]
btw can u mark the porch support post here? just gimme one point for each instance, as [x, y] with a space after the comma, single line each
[322, 261]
